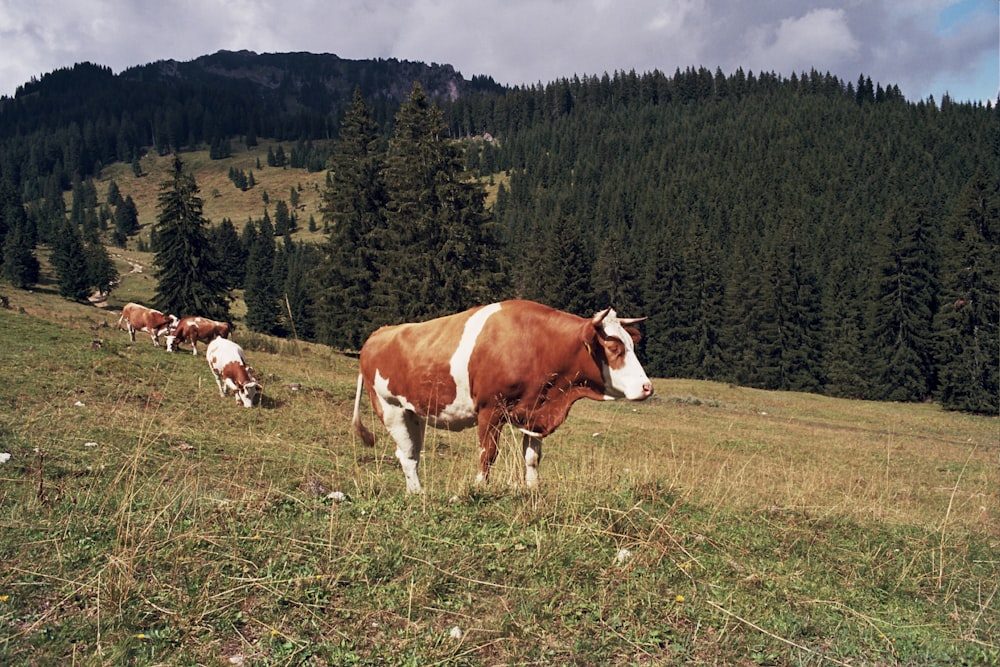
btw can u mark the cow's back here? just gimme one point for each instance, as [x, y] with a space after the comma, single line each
[414, 361]
[524, 348]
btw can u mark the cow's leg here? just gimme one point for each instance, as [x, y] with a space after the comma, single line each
[489, 435]
[131, 331]
[218, 381]
[407, 431]
[532, 447]
[194, 347]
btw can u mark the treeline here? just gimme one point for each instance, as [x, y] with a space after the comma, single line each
[785, 233]
[73, 121]
[790, 234]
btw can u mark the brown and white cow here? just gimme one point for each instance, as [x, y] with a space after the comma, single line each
[136, 317]
[515, 362]
[229, 366]
[193, 329]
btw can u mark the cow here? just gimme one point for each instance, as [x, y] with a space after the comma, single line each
[229, 366]
[516, 362]
[136, 317]
[194, 329]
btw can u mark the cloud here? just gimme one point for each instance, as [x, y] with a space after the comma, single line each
[920, 45]
[799, 43]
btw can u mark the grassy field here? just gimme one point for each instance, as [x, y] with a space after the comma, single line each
[144, 520]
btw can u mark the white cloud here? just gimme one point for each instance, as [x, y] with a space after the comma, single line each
[820, 38]
[523, 41]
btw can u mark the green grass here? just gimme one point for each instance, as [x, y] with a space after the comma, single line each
[145, 520]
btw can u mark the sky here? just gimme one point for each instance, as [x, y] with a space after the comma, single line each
[926, 47]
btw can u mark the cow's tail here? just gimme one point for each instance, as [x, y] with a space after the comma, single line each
[121, 321]
[360, 429]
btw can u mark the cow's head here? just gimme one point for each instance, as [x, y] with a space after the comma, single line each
[246, 392]
[167, 329]
[623, 374]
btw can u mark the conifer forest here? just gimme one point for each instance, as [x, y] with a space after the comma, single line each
[796, 233]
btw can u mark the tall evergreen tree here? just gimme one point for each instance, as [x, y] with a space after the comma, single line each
[126, 221]
[70, 262]
[261, 293]
[614, 277]
[189, 281]
[563, 268]
[663, 288]
[354, 202]
[299, 259]
[101, 272]
[968, 324]
[20, 266]
[439, 254]
[900, 326]
[230, 253]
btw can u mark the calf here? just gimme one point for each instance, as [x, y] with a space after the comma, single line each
[515, 362]
[194, 329]
[229, 366]
[136, 317]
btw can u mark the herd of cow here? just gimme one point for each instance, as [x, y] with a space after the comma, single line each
[514, 362]
[225, 358]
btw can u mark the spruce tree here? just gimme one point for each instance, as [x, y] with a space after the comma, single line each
[901, 344]
[189, 281]
[968, 324]
[353, 207]
[101, 272]
[614, 276]
[126, 221]
[262, 295]
[20, 266]
[230, 253]
[440, 254]
[562, 279]
[70, 262]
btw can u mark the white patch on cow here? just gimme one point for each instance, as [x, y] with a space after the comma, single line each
[461, 413]
[630, 380]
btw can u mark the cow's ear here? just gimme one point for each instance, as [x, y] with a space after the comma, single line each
[634, 333]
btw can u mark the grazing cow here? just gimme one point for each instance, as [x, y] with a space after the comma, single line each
[136, 317]
[194, 329]
[515, 362]
[229, 366]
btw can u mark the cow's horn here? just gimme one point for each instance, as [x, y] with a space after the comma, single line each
[632, 320]
[599, 317]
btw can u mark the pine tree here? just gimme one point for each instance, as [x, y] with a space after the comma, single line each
[20, 266]
[17, 236]
[440, 254]
[262, 295]
[70, 262]
[126, 221]
[613, 276]
[101, 272]
[667, 354]
[564, 282]
[230, 252]
[354, 202]
[968, 324]
[189, 281]
[901, 343]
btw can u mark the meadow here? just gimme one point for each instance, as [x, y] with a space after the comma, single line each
[145, 520]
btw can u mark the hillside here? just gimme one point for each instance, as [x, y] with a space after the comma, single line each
[222, 199]
[799, 233]
[149, 521]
